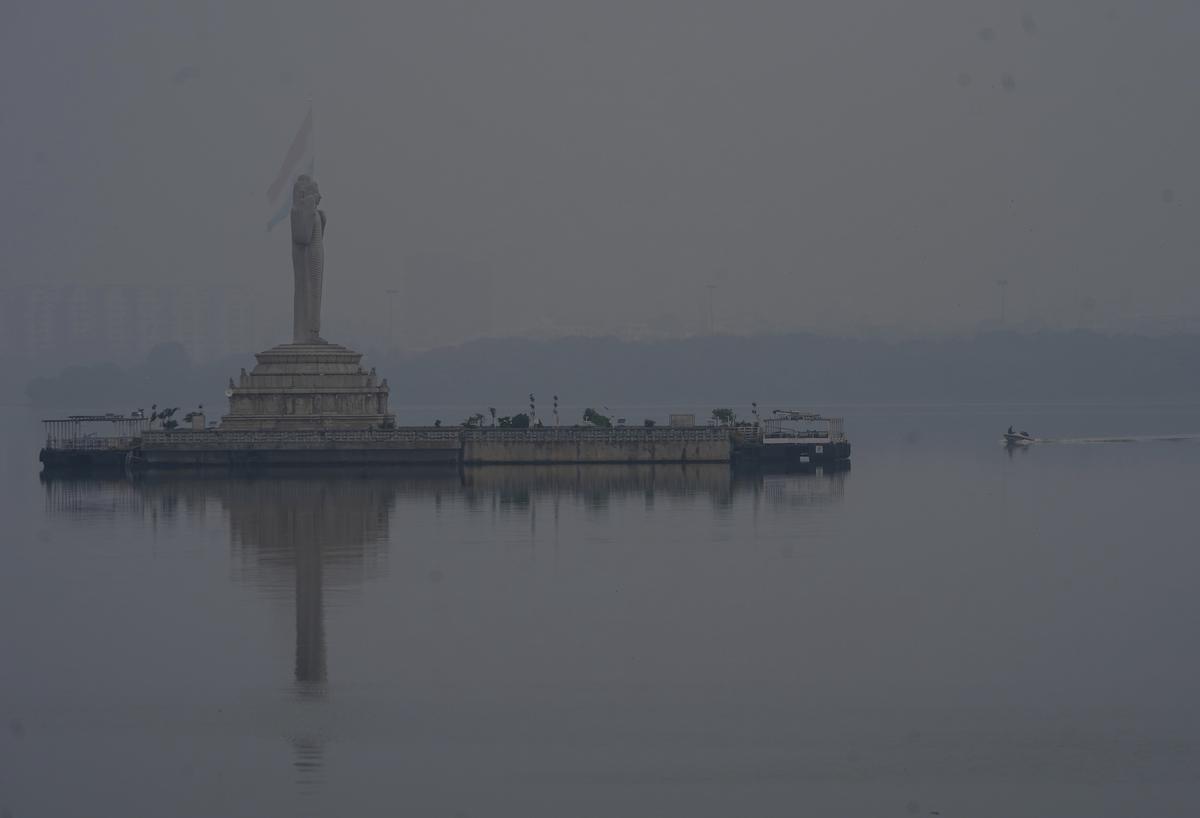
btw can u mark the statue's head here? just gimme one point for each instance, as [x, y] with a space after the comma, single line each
[305, 187]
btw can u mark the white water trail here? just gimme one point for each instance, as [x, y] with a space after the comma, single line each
[1083, 441]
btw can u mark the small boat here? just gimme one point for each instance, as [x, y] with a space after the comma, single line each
[1012, 438]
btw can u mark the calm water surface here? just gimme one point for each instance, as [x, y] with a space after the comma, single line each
[946, 628]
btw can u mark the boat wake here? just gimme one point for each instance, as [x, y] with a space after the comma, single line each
[1085, 441]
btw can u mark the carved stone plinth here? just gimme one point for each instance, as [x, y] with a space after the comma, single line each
[307, 386]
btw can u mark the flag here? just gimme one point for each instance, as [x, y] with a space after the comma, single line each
[300, 158]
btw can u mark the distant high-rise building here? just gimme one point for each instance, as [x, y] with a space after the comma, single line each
[122, 323]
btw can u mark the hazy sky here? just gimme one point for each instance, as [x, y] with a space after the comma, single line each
[556, 165]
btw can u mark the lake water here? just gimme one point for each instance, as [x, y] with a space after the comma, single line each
[945, 629]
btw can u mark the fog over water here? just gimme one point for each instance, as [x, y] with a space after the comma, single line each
[938, 218]
[558, 168]
[946, 627]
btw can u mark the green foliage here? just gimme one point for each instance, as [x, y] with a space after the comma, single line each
[648, 423]
[725, 417]
[517, 421]
[474, 421]
[165, 416]
[593, 417]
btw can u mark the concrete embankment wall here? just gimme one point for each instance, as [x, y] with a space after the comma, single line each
[621, 445]
[217, 447]
[432, 445]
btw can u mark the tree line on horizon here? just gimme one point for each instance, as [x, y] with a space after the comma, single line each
[719, 371]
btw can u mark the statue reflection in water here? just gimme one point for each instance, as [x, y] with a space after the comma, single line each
[304, 531]
[292, 535]
[295, 535]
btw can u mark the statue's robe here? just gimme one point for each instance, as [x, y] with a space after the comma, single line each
[308, 264]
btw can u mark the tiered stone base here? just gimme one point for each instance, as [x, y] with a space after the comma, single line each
[307, 386]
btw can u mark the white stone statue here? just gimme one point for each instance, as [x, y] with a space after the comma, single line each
[308, 260]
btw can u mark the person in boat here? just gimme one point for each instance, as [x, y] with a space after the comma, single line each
[1010, 431]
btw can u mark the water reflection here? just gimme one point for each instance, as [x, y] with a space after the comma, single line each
[292, 535]
[270, 513]
[598, 485]
[297, 534]
[302, 538]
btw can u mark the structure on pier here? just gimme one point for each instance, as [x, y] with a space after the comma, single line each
[305, 387]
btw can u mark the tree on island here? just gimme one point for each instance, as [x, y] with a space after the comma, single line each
[725, 417]
[517, 421]
[165, 417]
[593, 417]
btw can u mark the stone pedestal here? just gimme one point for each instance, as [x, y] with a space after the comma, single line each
[305, 387]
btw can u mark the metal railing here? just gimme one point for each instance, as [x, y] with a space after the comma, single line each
[91, 443]
[315, 438]
[791, 429]
[94, 432]
[620, 433]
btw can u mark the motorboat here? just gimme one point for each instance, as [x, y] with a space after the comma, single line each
[1012, 438]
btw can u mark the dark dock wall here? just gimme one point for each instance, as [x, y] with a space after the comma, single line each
[84, 459]
[798, 454]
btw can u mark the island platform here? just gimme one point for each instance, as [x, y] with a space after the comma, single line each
[135, 446]
[312, 403]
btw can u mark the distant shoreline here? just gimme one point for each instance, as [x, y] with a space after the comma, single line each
[1002, 367]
